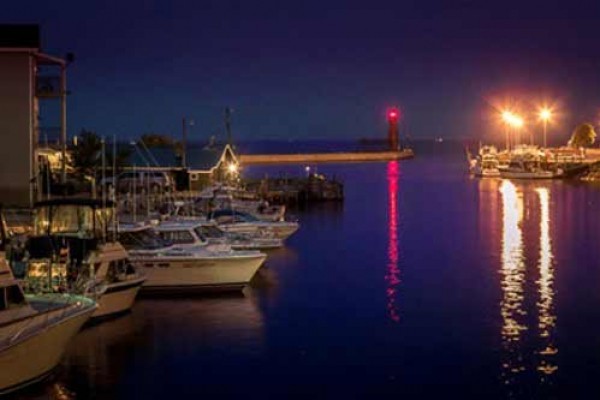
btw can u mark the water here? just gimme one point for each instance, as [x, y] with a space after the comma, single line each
[423, 283]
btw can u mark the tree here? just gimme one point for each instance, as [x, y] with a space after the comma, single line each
[583, 136]
[157, 140]
[87, 153]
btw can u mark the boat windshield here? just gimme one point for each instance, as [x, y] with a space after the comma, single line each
[72, 220]
[145, 239]
[209, 231]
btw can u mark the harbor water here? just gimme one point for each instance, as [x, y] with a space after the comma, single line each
[423, 283]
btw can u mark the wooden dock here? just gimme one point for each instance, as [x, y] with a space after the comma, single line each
[314, 158]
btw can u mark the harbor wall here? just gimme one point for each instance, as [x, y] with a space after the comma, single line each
[325, 157]
[16, 108]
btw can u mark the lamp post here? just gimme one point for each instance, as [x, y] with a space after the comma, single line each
[545, 115]
[517, 123]
[507, 117]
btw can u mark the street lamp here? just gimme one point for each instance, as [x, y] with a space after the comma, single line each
[517, 123]
[507, 117]
[545, 115]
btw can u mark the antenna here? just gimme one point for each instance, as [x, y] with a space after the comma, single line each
[103, 188]
[228, 124]
[114, 188]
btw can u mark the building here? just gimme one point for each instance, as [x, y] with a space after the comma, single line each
[205, 166]
[27, 77]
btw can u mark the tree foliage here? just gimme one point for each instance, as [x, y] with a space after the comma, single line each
[583, 136]
[87, 154]
[157, 140]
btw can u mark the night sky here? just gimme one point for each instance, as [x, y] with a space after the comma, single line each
[324, 69]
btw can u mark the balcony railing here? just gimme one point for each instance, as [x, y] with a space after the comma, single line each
[47, 87]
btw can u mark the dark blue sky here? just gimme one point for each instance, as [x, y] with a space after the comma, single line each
[310, 69]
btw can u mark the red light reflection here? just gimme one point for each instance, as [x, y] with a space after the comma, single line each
[393, 272]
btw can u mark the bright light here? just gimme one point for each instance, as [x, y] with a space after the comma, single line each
[233, 168]
[507, 116]
[393, 114]
[517, 121]
[545, 114]
[307, 168]
[512, 119]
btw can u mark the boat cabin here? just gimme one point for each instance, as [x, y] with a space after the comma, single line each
[72, 245]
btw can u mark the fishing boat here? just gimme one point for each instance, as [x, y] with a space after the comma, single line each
[72, 243]
[201, 233]
[172, 268]
[234, 221]
[35, 329]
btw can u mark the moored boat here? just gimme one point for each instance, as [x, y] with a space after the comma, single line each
[72, 243]
[34, 330]
[234, 221]
[169, 268]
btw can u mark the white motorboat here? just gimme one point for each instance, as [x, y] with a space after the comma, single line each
[486, 164]
[200, 233]
[34, 330]
[527, 162]
[239, 222]
[227, 197]
[72, 243]
[171, 268]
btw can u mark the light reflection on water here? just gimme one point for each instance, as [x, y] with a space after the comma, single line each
[513, 276]
[393, 271]
[547, 319]
[514, 271]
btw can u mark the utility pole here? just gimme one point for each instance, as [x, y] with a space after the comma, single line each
[184, 143]
[63, 122]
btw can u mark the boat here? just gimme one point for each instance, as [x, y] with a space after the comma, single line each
[172, 268]
[486, 164]
[219, 197]
[234, 221]
[529, 162]
[35, 329]
[201, 233]
[73, 244]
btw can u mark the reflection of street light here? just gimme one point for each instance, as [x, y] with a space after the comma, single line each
[545, 115]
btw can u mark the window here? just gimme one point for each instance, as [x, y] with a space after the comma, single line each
[209, 231]
[14, 296]
[177, 237]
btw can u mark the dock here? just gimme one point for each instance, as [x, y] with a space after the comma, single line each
[314, 158]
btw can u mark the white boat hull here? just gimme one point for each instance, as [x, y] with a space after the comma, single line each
[530, 175]
[118, 298]
[229, 273]
[33, 356]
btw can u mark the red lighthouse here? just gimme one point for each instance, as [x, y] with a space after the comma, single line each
[393, 116]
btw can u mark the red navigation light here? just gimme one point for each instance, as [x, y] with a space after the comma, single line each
[393, 114]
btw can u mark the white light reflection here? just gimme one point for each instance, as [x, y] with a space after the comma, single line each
[547, 320]
[513, 277]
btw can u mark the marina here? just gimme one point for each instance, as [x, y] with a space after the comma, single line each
[299, 201]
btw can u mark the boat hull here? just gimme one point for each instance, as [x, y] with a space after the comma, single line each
[118, 298]
[529, 175]
[224, 274]
[34, 356]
